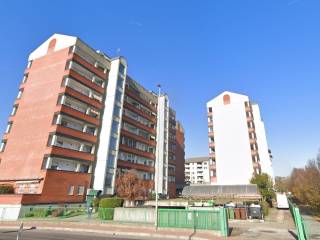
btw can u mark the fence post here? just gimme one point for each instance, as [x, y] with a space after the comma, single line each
[299, 224]
[223, 222]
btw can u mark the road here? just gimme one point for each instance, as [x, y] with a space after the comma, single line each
[34, 234]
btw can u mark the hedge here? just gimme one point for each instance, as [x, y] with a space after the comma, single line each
[6, 189]
[110, 202]
[106, 213]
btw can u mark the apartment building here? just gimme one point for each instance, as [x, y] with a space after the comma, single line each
[79, 121]
[197, 170]
[238, 146]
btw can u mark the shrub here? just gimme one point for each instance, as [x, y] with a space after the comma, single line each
[106, 214]
[6, 189]
[265, 208]
[57, 212]
[39, 212]
[110, 202]
[29, 214]
[95, 203]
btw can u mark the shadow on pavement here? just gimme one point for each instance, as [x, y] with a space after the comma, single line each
[26, 229]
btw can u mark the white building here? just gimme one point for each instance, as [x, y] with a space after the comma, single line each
[197, 170]
[238, 146]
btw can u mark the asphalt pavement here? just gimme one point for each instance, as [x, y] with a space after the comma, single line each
[35, 234]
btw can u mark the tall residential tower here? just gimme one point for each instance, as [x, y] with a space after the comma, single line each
[238, 146]
[78, 122]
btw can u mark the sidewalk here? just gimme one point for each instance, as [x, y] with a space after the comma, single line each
[132, 230]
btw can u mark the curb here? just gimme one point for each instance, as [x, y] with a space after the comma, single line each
[115, 233]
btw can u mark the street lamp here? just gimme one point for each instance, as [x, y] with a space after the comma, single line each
[157, 160]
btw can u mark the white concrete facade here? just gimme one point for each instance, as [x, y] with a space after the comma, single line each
[237, 140]
[107, 154]
[196, 170]
[161, 169]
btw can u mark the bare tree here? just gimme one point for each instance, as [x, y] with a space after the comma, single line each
[131, 187]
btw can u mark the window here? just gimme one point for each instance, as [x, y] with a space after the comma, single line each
[226, 99]
[25, 77]
[120, 82]
[21, 188]
[14, 110]
[3, 146]
[115, 127]
[84, 168]
[116, 110]
[113, 143]
[32, 188]
[110, 161]
[121, 68]
[20, 93]
[29, 64]
[108, 181]
[9, 126]
[118, 96]
[70, 190]
[80, 190]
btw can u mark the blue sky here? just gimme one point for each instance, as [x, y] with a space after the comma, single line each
[268, 50]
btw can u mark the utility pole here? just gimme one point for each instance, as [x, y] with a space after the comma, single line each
[157, 161]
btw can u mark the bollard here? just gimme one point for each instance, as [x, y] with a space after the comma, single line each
[19, 235]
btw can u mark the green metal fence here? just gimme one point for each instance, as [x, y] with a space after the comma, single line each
[298, 220]
[196, 219]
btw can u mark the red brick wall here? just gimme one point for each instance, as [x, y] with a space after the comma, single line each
[28, 138]
[55, 188]
[180, 156]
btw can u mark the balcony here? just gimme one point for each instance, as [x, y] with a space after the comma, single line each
[253, 141]
[79, 87]
[131, 165]
[64, 152]
[254, 152]
[138, 124]
[210, 124]
[249, 119]
[211, 134]
[250, 129]
[138, 152]
[64, 164]
[77, 114]
[212, 167]
[212, 155]
[86, 73]
[138, 138]
[136, 110]
[88, 61]
[210, 114]
[212, 145]
[256, 164]
[138, 98]
[84, 99]
[79, 106]
[74, 133]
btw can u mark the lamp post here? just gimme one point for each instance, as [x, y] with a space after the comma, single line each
[157, 161]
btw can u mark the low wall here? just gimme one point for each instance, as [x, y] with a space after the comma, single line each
[143, 215]
[9, 212]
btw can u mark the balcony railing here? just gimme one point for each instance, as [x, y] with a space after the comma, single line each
[76, 125]
[71, 144]
[79, 106]
[85, 73]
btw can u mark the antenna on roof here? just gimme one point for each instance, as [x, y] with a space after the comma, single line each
[159, 89]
